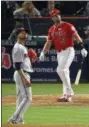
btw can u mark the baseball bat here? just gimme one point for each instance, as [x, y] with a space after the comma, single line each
[78, 76]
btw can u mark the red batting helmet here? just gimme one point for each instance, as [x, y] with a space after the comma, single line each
[54, 12]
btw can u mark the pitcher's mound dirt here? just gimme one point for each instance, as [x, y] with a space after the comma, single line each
[49, 100]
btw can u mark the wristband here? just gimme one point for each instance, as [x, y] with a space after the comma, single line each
[17, 65]
[80, 46]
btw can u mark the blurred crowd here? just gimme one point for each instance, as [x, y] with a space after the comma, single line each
[43, 8]
[18, 10]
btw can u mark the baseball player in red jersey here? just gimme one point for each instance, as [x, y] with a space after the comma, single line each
[62, 35]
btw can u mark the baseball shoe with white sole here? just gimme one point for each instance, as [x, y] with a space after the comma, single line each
[11, 121]
[62, 100]
[21, 121]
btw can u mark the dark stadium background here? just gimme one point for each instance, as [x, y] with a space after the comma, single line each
[72, 11]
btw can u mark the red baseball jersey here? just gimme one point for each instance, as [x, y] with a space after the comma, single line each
[62, 35]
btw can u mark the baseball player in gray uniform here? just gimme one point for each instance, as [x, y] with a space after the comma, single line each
[22, 65]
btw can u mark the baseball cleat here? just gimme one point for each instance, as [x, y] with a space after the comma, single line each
[21, 122]
[62, 100]
[11, 121]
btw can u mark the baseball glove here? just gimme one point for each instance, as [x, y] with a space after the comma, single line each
[32, 55]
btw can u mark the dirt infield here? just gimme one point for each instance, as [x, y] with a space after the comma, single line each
[6, 125]
[49, 100]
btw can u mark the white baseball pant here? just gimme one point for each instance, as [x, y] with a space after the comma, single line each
[65, 59]
[24, 97]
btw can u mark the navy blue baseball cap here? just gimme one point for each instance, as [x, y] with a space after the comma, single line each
[19, 30]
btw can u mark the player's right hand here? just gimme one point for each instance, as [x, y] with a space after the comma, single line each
[27, 83]
[42, 56]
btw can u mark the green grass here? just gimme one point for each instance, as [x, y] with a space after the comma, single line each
[38, 89]
[49, 114]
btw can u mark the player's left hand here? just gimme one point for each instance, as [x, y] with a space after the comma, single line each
[84, 52]
[32, 55]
